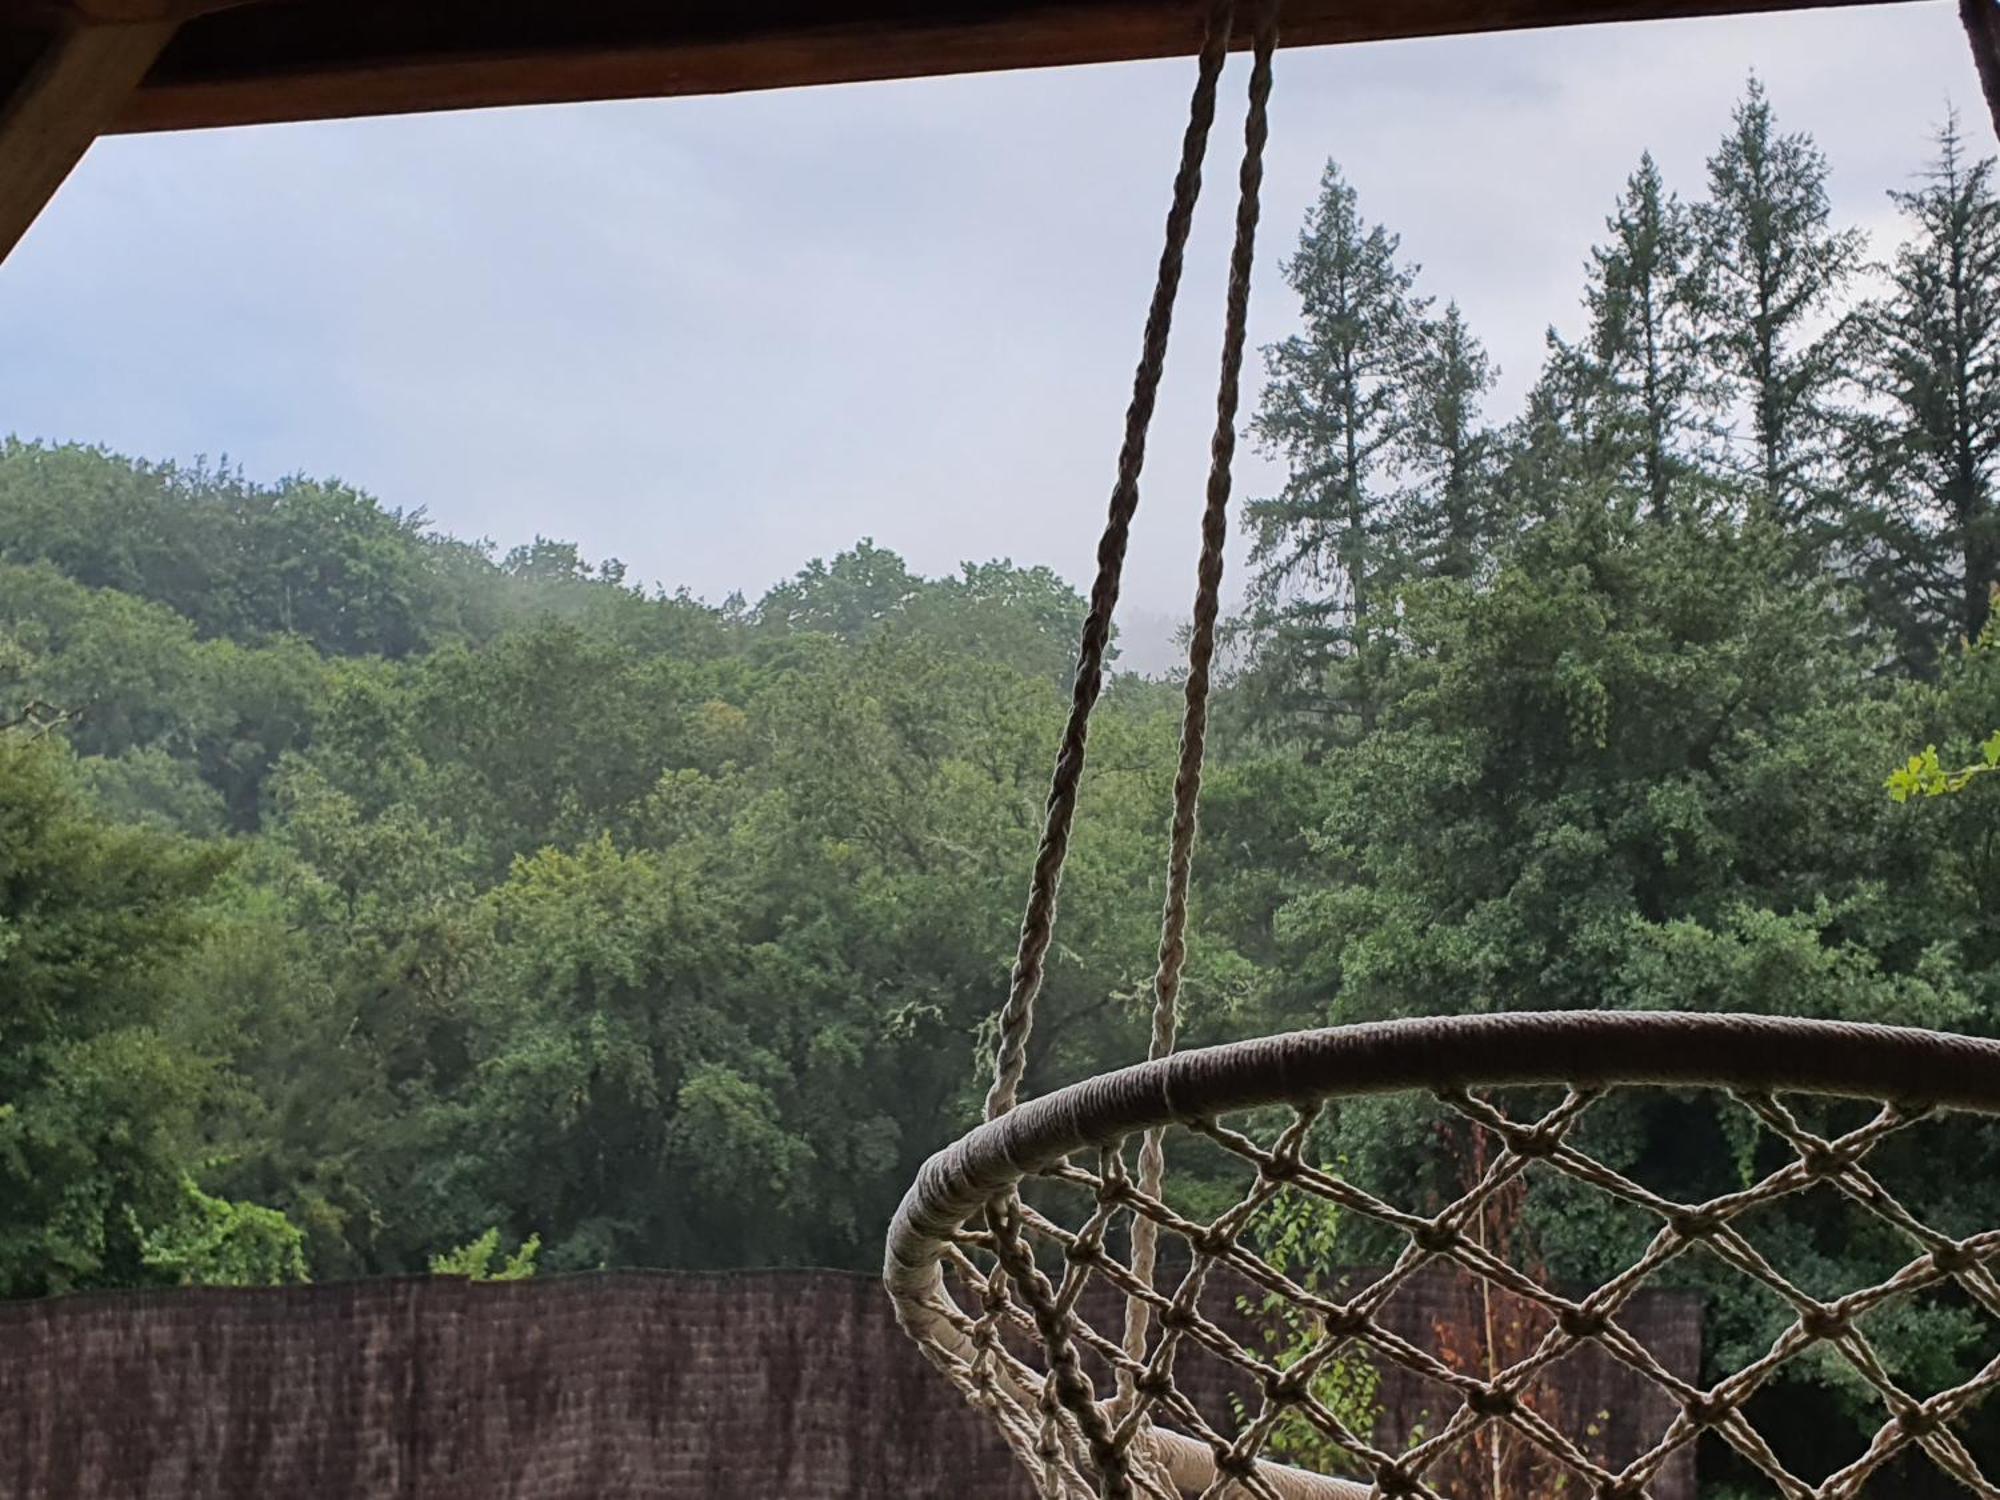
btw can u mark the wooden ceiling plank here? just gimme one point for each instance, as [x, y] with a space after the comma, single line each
[80, 79]
[326, 59]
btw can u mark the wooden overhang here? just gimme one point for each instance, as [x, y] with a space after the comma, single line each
[71, 70]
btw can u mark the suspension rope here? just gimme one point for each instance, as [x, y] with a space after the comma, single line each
[1017, 1015]
[1201, 653]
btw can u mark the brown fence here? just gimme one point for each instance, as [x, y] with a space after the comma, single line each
[771, 1385]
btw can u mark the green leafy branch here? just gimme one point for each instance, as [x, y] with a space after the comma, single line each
[481, 1259]
[1298, 1235]
[219, 1242]
[1924, 776]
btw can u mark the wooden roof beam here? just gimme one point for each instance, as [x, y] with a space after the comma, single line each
[68, 81]
[322, 59]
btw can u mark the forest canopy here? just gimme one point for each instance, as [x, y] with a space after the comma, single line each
[372, 898]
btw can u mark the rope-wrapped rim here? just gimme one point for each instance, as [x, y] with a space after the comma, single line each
[1766, 1054]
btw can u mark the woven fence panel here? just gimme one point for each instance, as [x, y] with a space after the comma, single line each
[784, 1385]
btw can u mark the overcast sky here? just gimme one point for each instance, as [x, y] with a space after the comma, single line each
[716, 337]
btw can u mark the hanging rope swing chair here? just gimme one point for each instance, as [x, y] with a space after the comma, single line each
[1098, 1411]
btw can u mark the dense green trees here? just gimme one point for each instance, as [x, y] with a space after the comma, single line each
[366, 893]
[97, 1089]
[318, 560]
[663, 931]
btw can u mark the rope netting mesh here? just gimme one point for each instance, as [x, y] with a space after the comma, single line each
[1027, 1353]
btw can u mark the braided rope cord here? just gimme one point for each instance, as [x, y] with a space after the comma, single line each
[1066, 1393]
[1201, 645]
[1070, 1417]
[1017, 1015]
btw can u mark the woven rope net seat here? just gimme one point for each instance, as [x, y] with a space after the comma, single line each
[1140, 1435]
[1040, 1216]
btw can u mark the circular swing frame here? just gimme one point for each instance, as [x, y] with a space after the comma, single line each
[1913, 1071]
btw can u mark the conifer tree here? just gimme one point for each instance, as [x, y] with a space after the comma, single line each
[1335, 411]
[1773, 267]
[1931, 447]
[1643, 301]
[1449, 451]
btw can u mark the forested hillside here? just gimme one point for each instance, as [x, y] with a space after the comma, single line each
[364, 889]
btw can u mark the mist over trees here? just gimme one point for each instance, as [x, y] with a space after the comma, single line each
[365, 890]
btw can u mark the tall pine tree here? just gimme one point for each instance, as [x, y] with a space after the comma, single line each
[1335, 410]
[1643, 302]
[1931, 447]
[1448, 450]
[1773, 267]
